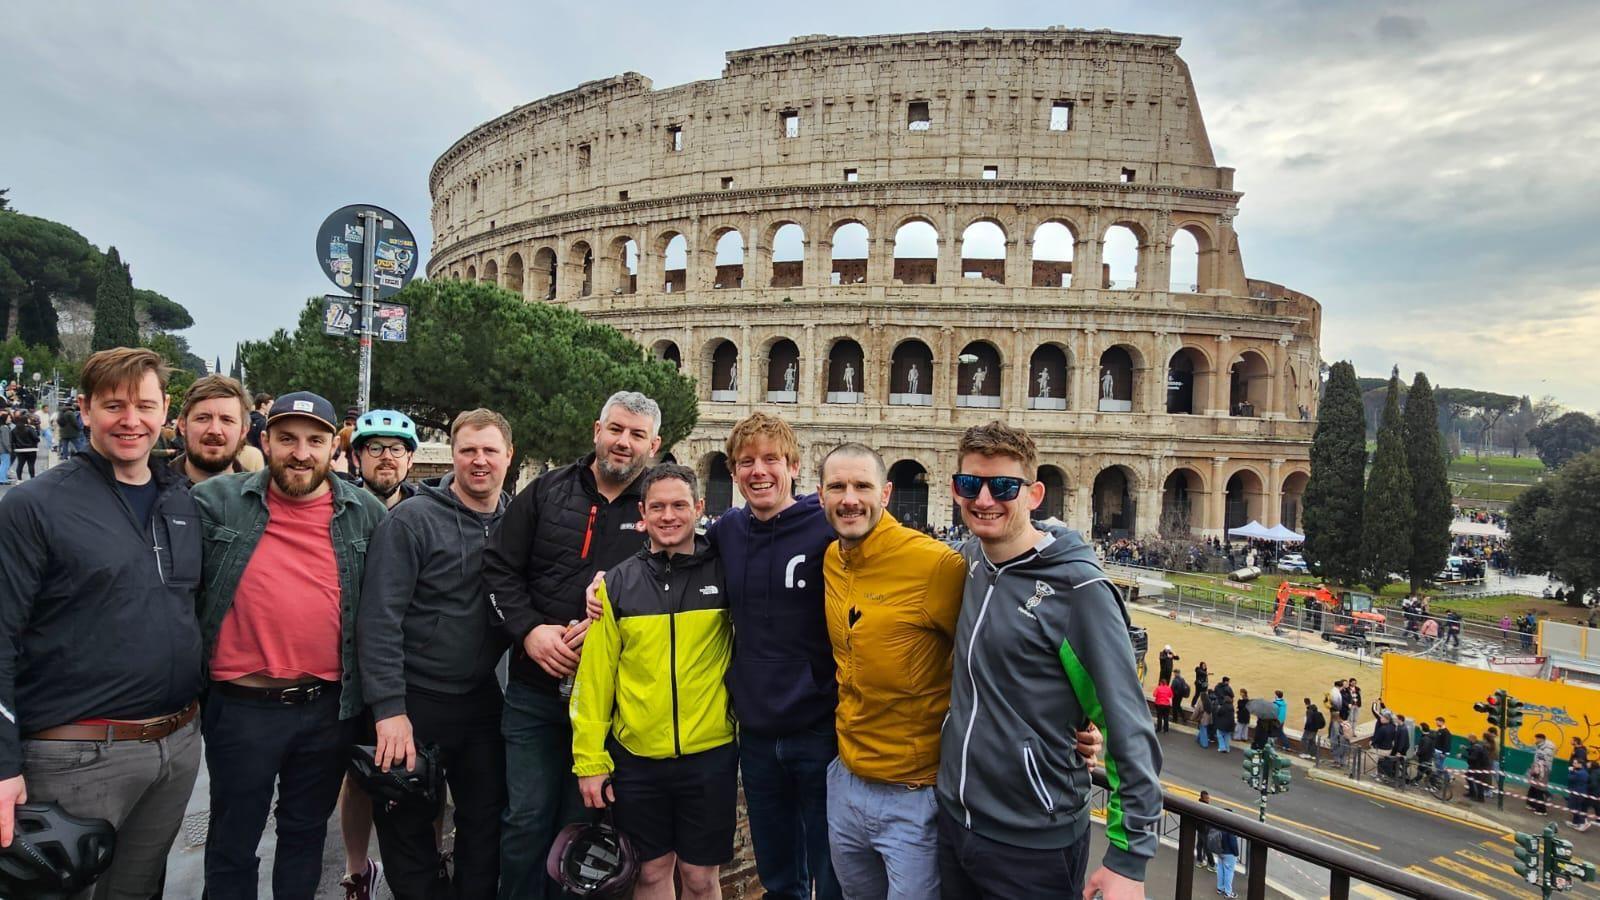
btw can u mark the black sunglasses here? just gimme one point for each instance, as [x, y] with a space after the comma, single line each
[1001, 487]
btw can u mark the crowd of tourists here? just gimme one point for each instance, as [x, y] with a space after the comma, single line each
[334, 638]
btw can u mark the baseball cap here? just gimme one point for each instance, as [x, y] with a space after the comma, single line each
[303, 403]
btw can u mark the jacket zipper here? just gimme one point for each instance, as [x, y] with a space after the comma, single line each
[672, 659]
[1030, 767]
[588, 531]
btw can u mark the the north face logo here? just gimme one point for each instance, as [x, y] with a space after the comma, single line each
[709, 589]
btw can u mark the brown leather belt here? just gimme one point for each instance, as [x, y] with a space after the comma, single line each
[119, 731]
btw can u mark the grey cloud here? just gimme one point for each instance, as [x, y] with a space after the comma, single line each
[1400, 29]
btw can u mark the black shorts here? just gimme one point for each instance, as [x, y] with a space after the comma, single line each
[684, 805]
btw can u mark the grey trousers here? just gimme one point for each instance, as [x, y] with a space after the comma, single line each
[141, 789]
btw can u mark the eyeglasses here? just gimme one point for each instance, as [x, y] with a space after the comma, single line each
[376, 451]
[1001, 487]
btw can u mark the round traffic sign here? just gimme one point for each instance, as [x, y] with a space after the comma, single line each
[340, 250]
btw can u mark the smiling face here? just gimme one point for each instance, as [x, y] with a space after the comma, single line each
[998, 524]
[300, 456]
[125, 420]
[624, 443]
[670, 512]
[213, 433]
[481, 457]
[765, 477]
[382, 474]
[854, 495]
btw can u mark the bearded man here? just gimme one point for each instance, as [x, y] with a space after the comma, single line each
[213, 423]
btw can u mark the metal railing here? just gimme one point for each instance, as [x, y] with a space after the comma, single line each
[1263, 839]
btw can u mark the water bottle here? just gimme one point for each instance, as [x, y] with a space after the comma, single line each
[566, 682]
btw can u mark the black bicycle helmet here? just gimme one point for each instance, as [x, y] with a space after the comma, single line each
[54, 852]
[593, 860]
[398, 785]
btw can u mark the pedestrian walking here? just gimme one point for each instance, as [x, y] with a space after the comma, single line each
[1203, 857]
[1226, 846]
[1222, 720]
[6, 429]
[25, 444]
[1202, 683]
[1282, 707]
[1180, 692]
[1578, 795]
[1308, 734]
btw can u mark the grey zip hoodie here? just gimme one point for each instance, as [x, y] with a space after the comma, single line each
[424, 620]
[1041, 649]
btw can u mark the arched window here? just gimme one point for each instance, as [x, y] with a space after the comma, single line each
[1291, 506]
[849, 254]
[1182, 504]
[1113, 515]
[472, 273]
[730, 261]
[667, 351]
[724, 374]
[978, 376]
[1048, 378]
[1183, 262]
[911, 375]
[1053, 244]
[916, 253]
[847, 375]
[1248, 380]
[1115, 386]
[514, 273]
[1054, 505]
[783, 372]
[788, 256]
[583, 256]
[1119, 259]
[674, 252]
[908, 502]
[491, 272]
[1246, 499]
[624, 266]
[545, 270]
[983, 253]
[1188, 382]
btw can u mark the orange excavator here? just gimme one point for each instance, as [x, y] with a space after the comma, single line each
[1346, 618]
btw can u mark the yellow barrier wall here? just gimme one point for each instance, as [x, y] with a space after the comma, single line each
[1420, 689]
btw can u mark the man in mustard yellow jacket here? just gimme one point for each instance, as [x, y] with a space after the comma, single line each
[649, 707]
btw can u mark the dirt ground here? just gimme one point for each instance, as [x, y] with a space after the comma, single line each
[1255, 664]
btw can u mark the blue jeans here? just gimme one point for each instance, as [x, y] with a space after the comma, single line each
[1226, 863]
[884, 837]
[786, 796]
[542, 793]
[1202, 736]
[5, 467]
[1222, 739]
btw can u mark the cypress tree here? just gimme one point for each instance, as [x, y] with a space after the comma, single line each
[1387, 515]
[1430, 484]
[1333, 498]
[114, 321]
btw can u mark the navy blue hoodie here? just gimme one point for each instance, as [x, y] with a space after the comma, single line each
[781, 680]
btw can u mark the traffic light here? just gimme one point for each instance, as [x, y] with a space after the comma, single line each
[1527, 864]
[1490, 709]
[1253, 768]
[1513, 714]
[1279, 768]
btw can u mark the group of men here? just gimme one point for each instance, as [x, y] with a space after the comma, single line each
[907, 721]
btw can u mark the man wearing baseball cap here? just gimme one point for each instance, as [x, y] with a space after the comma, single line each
[283, 563]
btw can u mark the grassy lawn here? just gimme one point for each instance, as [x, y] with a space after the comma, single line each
[1483, 490]
[1265, 588]
[1525, 469]
[1490, 609]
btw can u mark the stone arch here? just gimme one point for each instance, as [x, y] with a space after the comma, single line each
[672, 248]
[544, 274]
[1049, 377]
[983, 251]
[582, 260]
[916, 251]
[1189, 374]
[716, 483]
[1054, 505]
[1293, 406]
[1183, 503]
[782, 378]
[1121, 255]
[849, 244]
[847, 372]
[1053, 245]
[667, 351]
[979, 374]
[1117, 377]
[622, 265]
[1196, 272]
[491, 272]
[788, 242]
[1249, 383]
[728, 243]
[1113, 506]
[908, 502]
[911, 374]
[472, 273]
[1291, 505]
[720, 370]
[513, 277]
[1245, 497]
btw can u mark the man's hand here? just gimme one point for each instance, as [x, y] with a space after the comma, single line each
[395, 744]
[547, 646]
[591, 595]
[12, 793]
[1111, 886]
[596, 793]
[1090, 743]
[574, 635]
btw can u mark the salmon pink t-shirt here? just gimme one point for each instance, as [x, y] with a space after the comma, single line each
[284, 622]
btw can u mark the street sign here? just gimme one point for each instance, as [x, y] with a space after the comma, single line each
[339, 250]
[16, 364]
[340, 315]
[394, 321]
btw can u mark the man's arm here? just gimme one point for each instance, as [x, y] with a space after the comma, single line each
[594, 693]
[506, 561]
[946, 582]
[23, 549]
[393, 561]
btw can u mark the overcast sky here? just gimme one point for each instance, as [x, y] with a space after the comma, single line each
[1428, 171]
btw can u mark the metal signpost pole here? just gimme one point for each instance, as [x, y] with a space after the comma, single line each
[369, 291]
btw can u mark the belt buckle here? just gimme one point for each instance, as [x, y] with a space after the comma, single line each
[300, 694]
[147, 731]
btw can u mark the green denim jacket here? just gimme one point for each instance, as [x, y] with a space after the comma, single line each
[233, 516]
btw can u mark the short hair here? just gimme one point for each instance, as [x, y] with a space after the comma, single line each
[481, 418]
[121, 367]
[669, 472]
[854, 448]
[760, 424]
[214, 387]
[636, 403]
[999, 439]
[261, 397]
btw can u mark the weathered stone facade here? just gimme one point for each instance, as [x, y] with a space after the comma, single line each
[1155, 408]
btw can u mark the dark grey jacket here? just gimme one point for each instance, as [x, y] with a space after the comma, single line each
[1042, 649]
[424, 619]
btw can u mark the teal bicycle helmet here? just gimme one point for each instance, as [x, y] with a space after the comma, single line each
[385, 423]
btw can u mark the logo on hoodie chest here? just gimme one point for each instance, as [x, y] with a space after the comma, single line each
[1040, 591]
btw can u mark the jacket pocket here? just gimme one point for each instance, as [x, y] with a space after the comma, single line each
[1034, 772]
[217, 551]
[183, 549]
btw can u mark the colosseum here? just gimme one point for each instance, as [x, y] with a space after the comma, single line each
[888, 239]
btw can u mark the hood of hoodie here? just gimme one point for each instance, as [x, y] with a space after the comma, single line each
[1065, 546]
